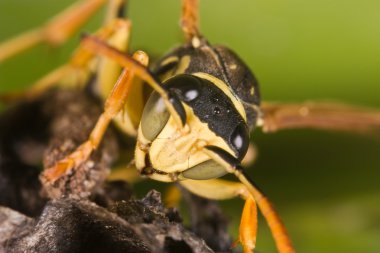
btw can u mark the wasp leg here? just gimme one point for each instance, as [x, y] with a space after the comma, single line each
[57, 30]
[128, 173]
[190, 19]
[248, 226]
[172, 103]
[172, 196]
[76, 72]
[232, 165]
[113, 105]
[319, 115]
[219, 189]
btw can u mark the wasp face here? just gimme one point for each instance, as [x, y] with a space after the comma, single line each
[170, 153]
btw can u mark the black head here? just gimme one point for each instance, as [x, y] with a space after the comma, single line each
[212, 106]
[219, 62]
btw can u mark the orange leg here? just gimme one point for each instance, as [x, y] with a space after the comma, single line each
[95, 45]
[219, 189]
[190, 19]
[322, 115]
[113, 105]
[56, 31]
[76, 71]
[280, 235]
[248, 226]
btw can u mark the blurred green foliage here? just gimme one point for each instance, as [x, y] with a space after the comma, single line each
[325, 185]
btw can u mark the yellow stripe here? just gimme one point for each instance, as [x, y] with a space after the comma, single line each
[183, 65]
[169, 60]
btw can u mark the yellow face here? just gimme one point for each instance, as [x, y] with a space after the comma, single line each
[177, 153]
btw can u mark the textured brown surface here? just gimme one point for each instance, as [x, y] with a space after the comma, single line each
[47, 129]
[74, 116]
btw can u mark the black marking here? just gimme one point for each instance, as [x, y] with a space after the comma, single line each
[216, 61]
[240, 139]
[178, 106]
[148, 170]
[240, 79]
[213, 107]
[248, 178]
[163, 69]
[217, 110]
[122, 10]
[233, 162]
[227, 157]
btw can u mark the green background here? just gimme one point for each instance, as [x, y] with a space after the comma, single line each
[325, 185]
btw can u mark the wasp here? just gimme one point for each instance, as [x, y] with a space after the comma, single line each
[195, 125]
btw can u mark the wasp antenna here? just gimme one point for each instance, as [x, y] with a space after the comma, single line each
[190, 19]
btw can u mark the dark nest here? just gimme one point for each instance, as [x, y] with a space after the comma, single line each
[83, 212]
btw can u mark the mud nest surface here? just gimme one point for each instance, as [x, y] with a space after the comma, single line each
[82, 212]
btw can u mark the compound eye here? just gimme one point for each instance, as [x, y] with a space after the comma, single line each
[240, 140]
[186, 86]
[206, 170]
[154, 117]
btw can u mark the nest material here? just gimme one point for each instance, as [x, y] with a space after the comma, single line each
[81, 212]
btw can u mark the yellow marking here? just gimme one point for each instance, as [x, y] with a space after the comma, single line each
[213, 54]
[169, 60]
[257, 109]
[173, 150]
[172, 196]
[124, 123]
[195, 42]
[129, 118]
[108, 69]
[127, 173]
[141, 138]
[183, 64]
[217, 189]
[252, 91]
[233, 66]
[260, 122]
[161, 178]
[224, 87]
[250, 156]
